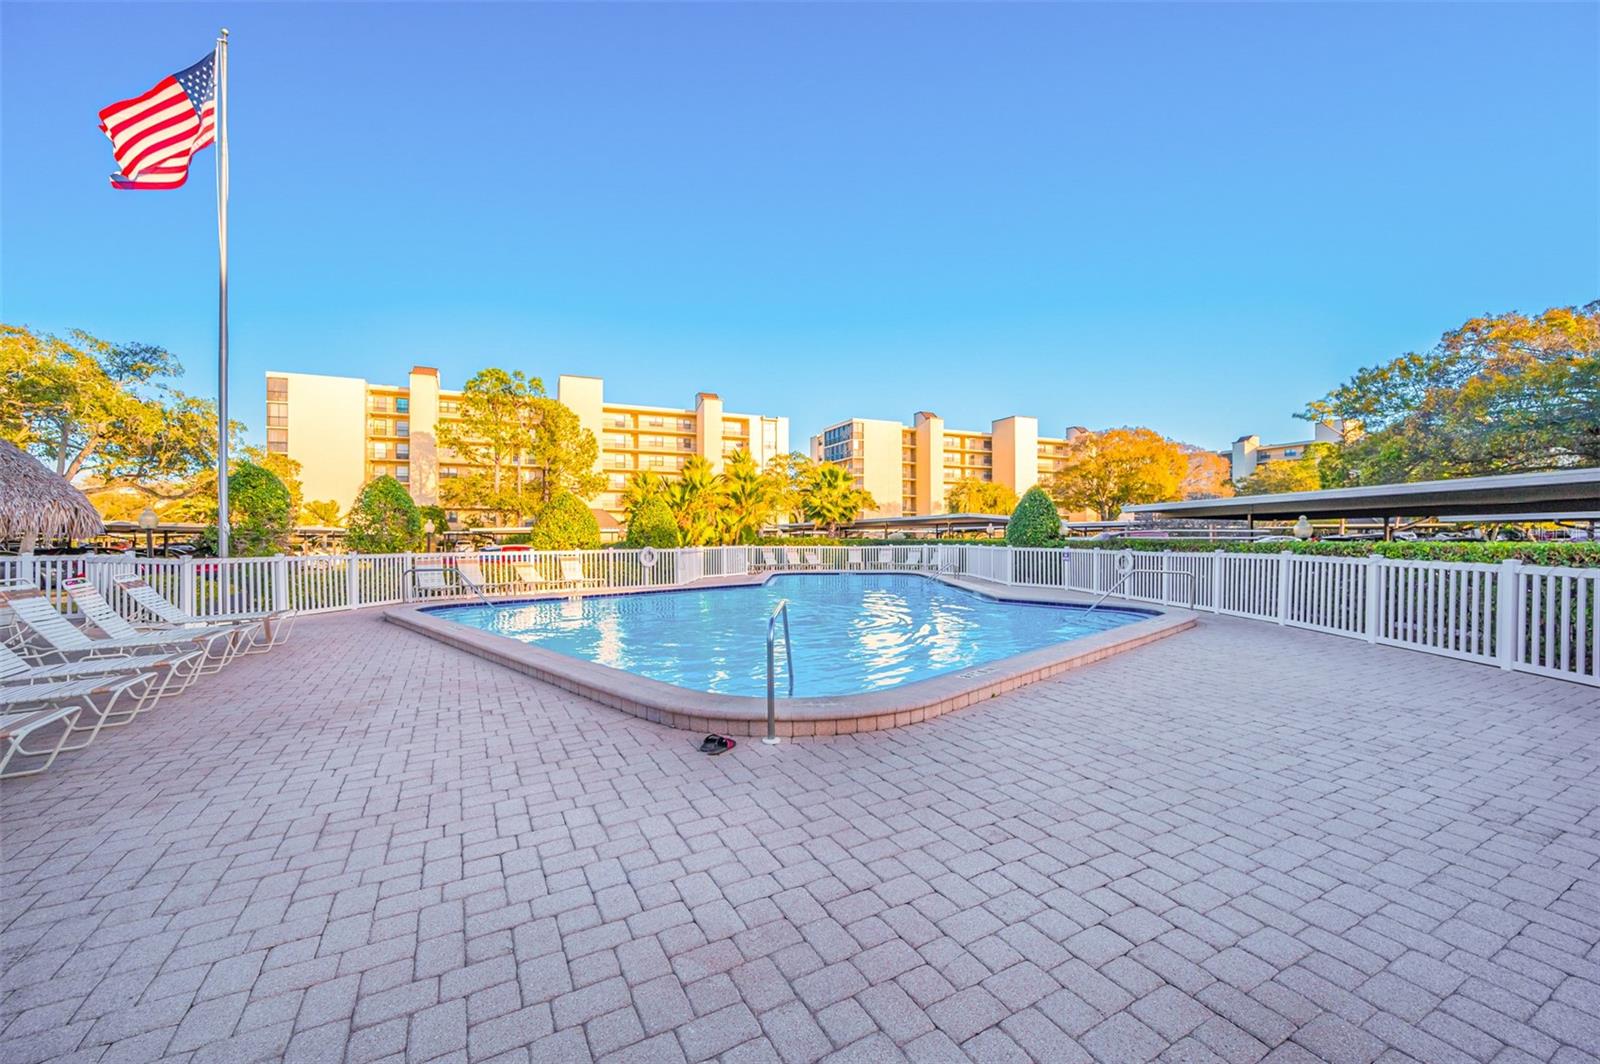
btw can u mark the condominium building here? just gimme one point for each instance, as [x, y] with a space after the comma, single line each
[909, 469]
[344, 431]
[1248, 452]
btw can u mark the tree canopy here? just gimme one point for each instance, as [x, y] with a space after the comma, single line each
[258, 508]
[1105, 471]
[103, 413]
[565, 523]
[1504, 393]
[525, 448]
[383, 519]
[973, 496]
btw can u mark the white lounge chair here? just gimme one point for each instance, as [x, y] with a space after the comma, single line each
[48, 636]
[219, 641]
[31, 708]
[270, 628]
[170, 673]
[572, 574]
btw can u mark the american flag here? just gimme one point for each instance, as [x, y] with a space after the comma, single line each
[154, 135]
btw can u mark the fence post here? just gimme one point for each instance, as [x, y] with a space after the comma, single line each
[1166, 577]
[186, 585]
[352, 581]
[1216, 580]
[1508, 605]
[1374, 600]
[280, 584]
[1284, 577]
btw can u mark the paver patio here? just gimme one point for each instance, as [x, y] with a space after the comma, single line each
[1241, 843]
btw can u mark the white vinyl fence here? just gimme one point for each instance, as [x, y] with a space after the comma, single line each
[1537, 619]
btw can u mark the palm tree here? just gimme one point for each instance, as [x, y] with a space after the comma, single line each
[829, 497]
[698, 503]
[641, 486]
[749, 496]
[322, 513]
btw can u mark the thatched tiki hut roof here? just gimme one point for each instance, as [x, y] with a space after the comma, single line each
[36, 503]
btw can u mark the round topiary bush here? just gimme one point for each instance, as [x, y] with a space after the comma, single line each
[1034, 523]
[565, 523]
[383, 519]
[259, 505]
[652, 525]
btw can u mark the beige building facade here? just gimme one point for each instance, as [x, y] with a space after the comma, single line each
[345, 431]
[910, 469]
[1249, 453]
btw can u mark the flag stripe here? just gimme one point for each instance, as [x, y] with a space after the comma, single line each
[154, 135]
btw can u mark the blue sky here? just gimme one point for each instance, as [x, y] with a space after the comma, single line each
[1193, 217]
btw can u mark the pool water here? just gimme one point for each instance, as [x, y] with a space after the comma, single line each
[853, 632]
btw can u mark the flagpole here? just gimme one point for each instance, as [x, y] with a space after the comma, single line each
[221, 75]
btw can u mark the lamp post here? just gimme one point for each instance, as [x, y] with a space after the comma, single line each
[427, 530]
[148, 521]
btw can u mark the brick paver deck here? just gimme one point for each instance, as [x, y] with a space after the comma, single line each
[1241, 843]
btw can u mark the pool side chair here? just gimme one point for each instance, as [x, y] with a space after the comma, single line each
[170, 674]
[428, 581]
[221, 642]
[812, 558]
[791, 558]
[879, 559]
[264, 630]
[51, 638]
[528, 577]
[32, 708]
[469, 573]
[572, 574]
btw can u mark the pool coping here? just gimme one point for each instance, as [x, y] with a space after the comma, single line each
[741, 715]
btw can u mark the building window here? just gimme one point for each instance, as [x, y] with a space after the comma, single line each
[449, 472]
[278, 389]
[685, 444]
[402, 473]
[402, 450]
[402, 428]
[654, 441]
[686, 425]
[378, 404]
[655, 422]
[376, 427]
[655, 461]
[278, 441]
[278, 415]
[449, 408]
[380, 451]
[402, 406]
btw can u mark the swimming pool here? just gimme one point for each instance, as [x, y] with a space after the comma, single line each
[854, 633]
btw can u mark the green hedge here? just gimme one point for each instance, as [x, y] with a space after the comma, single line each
[1586, 554]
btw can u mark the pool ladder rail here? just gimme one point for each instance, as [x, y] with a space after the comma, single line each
[782, 608]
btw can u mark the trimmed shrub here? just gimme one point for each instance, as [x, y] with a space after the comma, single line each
[653, 525]
[1034, 523]
[383, 519]
[258, 511]
[565, 523]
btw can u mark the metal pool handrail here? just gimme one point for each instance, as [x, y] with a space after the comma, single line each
[788, 651]
[1147, 572]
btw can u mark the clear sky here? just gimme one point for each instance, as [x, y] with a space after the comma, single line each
[1193, 217]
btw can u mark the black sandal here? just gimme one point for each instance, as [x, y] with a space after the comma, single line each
[710, 743]
[726, 744]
